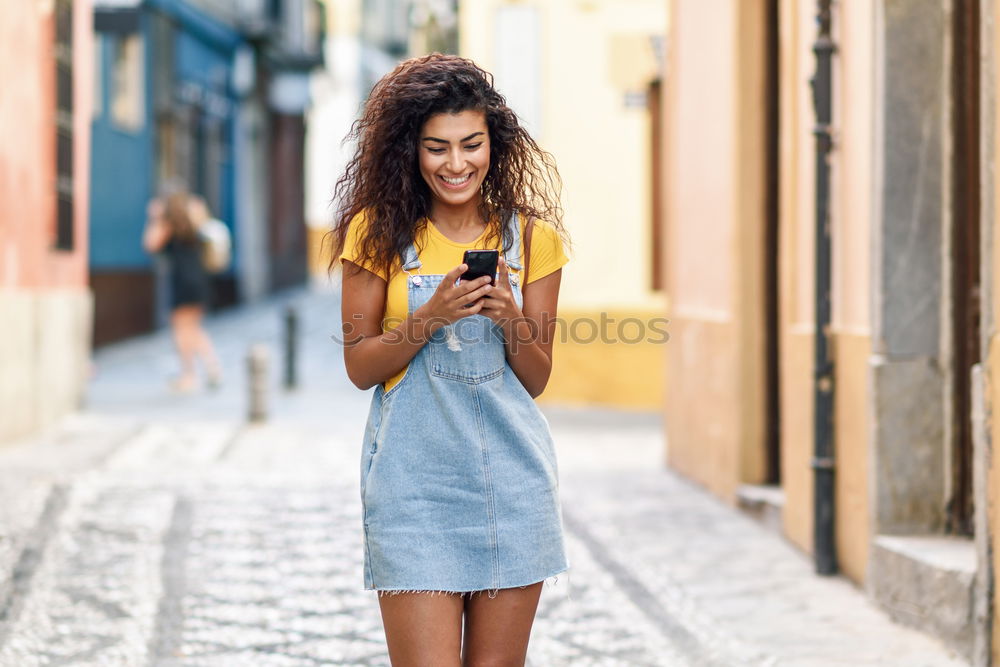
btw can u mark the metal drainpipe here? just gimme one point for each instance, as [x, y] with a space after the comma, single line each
[824, 543]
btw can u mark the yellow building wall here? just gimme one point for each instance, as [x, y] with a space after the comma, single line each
[615, 373]
[343, 17]
[715, 253]
[343, 21]
[852, 445]
[795, 341]
[592, 54]
[318, 251]
[854, 202]
[851, 206]
[992, 369]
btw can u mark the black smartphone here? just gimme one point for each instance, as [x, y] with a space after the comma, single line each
[480, 263]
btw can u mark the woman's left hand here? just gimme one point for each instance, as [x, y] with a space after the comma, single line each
[499, 304]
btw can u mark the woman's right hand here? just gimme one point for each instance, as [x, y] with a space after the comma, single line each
[451, 302]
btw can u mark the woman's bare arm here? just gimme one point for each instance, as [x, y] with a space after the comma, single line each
[529, 339]
[528, 329]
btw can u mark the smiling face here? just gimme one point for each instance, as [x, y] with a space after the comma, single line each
[455, 156]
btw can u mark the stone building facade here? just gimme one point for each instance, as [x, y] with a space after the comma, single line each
[879, 251]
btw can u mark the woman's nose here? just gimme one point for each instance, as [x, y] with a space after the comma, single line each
[455, 161]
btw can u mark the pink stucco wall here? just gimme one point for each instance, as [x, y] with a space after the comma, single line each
[27, 147]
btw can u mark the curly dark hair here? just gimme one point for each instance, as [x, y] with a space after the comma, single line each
[383, 178]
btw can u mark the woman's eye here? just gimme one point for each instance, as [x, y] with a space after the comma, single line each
[436, 151]
[472, 147]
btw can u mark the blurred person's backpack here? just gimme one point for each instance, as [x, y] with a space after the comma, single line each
[216, 245]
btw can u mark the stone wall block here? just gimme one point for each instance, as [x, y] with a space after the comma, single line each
[908, 448]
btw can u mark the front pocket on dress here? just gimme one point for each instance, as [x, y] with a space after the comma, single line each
[366, 467]
[470, 350]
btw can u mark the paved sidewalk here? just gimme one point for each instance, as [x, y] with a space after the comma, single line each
[155, 529]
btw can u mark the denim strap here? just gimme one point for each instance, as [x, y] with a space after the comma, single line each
[513, 255]
[410, 258]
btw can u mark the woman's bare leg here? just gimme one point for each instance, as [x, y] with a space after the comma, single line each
[497, 629]
[183, 324]
[205, 349]
[423, 629]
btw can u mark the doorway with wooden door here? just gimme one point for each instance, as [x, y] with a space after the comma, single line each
[965, 237]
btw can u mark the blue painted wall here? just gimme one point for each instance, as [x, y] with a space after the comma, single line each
[123, 160]
[121, 178]
[205, 69]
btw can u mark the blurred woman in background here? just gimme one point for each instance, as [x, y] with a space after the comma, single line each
[171, 229]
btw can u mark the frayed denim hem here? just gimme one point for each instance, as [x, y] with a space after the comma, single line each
[551, 580]
[491, 592]
[390, 592]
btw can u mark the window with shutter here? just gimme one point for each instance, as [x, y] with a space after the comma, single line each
[64, 124]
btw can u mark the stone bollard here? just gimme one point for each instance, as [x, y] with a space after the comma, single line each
[257, 363]
[291, 347]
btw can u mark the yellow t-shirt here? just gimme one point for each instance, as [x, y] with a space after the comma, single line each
[439, 255]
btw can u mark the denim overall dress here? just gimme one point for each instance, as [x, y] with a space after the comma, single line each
[459, 484]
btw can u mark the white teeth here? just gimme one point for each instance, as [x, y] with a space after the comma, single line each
[456, 181]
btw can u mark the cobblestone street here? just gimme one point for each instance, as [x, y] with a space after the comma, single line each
[157, 529]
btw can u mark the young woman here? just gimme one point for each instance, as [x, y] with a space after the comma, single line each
[171, 229]
[458, 471]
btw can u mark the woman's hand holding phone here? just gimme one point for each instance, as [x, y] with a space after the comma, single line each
[451, 302]
[500, 305]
